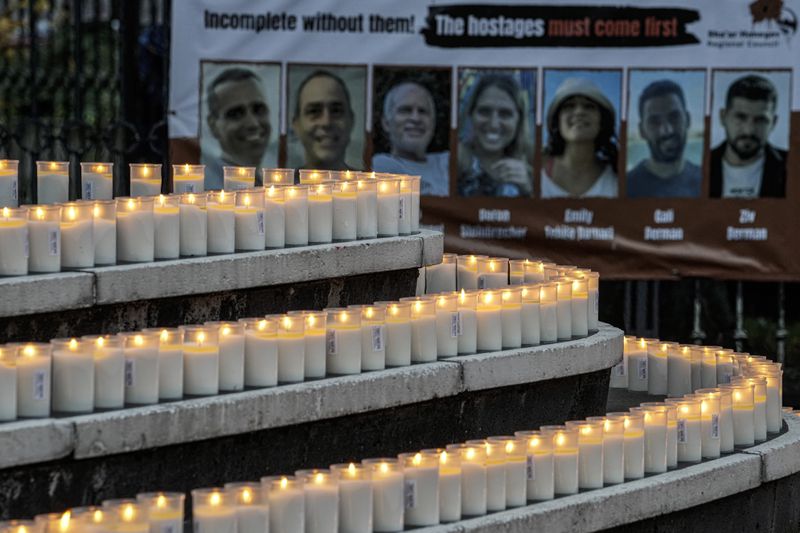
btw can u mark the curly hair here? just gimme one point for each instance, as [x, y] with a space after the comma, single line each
[605, 144]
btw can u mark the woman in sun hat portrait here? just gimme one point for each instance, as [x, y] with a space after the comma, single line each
[580, 157]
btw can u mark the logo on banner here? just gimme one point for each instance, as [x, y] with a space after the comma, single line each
[775, 12]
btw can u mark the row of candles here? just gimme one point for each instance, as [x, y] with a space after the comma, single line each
[87, 233]
[80, 375]
[462, 480]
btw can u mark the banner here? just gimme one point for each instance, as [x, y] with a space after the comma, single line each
[657, 139]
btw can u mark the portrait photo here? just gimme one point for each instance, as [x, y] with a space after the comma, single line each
[750, 112]
[666, 128]
[580, 133]
[326, 116]
[411, 125]
[496, 125]
[239, 117]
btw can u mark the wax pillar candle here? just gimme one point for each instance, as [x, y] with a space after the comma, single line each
[774, 375]
[593, 302]
[164, 510]
[726, 441]
[619, 372]
[447, 324]
[313, 176]
[238, 178]
[77, 240]
[52, 182]
[145, 179]
[398, 333]
[696, 358]
[231, 355]
[495, 474]
[421, 488]
[170, 362]
[759, 384]
[9, 183]
[492, 272]
[296, 211]
[73, 376]
[250, 226]
[672, 435]
[211, 512]
[548, 312]
[468, 322]
[291, 349]
[564, 308]
[104, 232]
[565, 458]
[188, 179]
[54, 522]
[724, 366]
[467, 271]
[414, 182]
[657, 366]
[252, 510]
[511, 317]
[33, 379]
[533, 271]
[345, 211]
[193, 224]
[320, 213]
[449, 485]
[679, 370]
[109, 371]
[472, 460]
[516, 271]
[634, 444]
[579, 305]
[441, 277]
[590, 452]
[709, 367]
[743, 414]
[373, 336]
[655, 438]
[277, 176]
[14, 246]
[388, 206]
[286, 504]
[690, 428]
[221, 222]
[314, 339]
[404, 212]
[387, 494]
[367, 209]
[128, 515]
[538, 464]
[321, 500]
[355, 498]
[141, 366]
[343, 341]
[8, 383]
[515, 457]
[531, 318]
[275, 217]
[489, 321]
[44, 238]
[260, 352]
[423, 329]
[167, 227]
[709, 422]
[97, 181]
[613, 447]
[201, 361]
[135, 230]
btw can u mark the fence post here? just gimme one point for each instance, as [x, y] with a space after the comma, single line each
[740, 335]
[698, 335]
[781, 333]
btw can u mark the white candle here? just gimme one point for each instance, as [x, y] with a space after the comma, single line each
[580, 308]
[773, 374]
[743, 416]
[710, 422]
[73, 376]
[619, 372]
[724, 366]
[167, 227]
[565, 459]
[449, 487]
[13, 241]
[275, 217]
[421, 488]
[343, 341]
[221, 223]
[297, 216]
[252, 511]
[387, 494]
[135, 230]
[210, 512]
[345, 211]
[291, 349]
[129, 516]
[548, 313]
[495, 475]
[679, 370]
[373, 336]
[709, 367]
[489, 321]
[467, 322]
[473, 477]
[367, 209]
[423, 329]
[531, 324]
[613, 448]
[511, 317]
[447, 325]
[388, 207]
[638, 371]
[164, 510]
[492, 272]
[634, 445]
[52, 179]
[398, 333]
[44, 237]
[193, 225]
[8, 383]
[516, 271]
[467, 271]
[231, 355]
[672, 435]
[238, 178]
[538, 465]
[188, 179]
[355, 498]
[251, 224]
[77, 239]
[200, 360]
[515, 456]
[314, 176]
[260, 352]
[759, 384]
[314, 334]
[170, 362]
[320, 213]
[145, 179]
[441, 277]
[277, 176]
[109, 371]
[141, 367]
[593, 302]
[696, 357]
[590, 453]
[726, 444]
[655, 438]
[33, 380]
[97, 181]
[564, 309]
[321, 501]
[404, 212]
[104, 232]
[9, 183]
[286, 504]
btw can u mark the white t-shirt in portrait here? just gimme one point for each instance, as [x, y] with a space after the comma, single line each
[742, 181]
[604, 187]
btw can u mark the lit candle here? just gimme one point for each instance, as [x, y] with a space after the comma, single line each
[441, 277]
[20, 526]
[313, 176]
[314, 334]
[286, 503]
[414, 182]
[193, 225]
[710, 422]
[564, 308]
[511, 317]
[404, 213]
[277, 176]
[320, 213]
[345, 211]
[388, 206]
[472, 459]
[398, 333]
[164, 510]
[593, 302]
[743, 415]
[291, 349]
[447, 325]
[77, 241]
[238, 178]
[613, 427]
[33, 379]
[296, 213]
[565, 458]
[449, 485]
[252, 511]
[145, 179]
[104, 232]
[590, 452]
[14, 247]
[321, 500]
[679, 370]
[657, 366]
[534, 271]
[489, 323]
[467, 322]
[548, 312]
[580, 310]
[421, 488]
[275, 216]
[726, 444]
[73, 376]
[423, 329]
[495, 474]
[167, 223]
[260, 352]
[515, 455]
[655, 437]
[724, 366]
[211, 512]
[492, 272]
[373, 336]
[44, 237]
[619, 372]
[367, 209]
[141, 367]
[109, 371]
[709, 366]
[343, 341]
[759, 405]
[672, 435]
[231, 355]
[774, 375]
[387, 494]
[97, 181]
[200, 360]
[128, 516]
[467, 271]
[250, 224]
[9, 183]
[221, 222]
[135, 230]
[696, 358]
[634, 444]
[355, 498]
[538, 464]
[170, 362]
[8, 383]
[52, 182]
[516, 271]
[188, 178]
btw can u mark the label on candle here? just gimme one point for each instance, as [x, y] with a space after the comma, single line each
[377, 338]
[189, 187]
[621, 369]
[52, 241]
[597, 303]
[530, 468]
[410, 493]
[14, 189]
[714, 426]
[27, 248]
[88, 191]
[402, 212]
[260, 222]
[455, 325]
[481, 282]
[330, 342]
[129, 369]
[460, 325]
[725, 377]
[168, 528]
[682, 437]
[641, 368]
[38, 385]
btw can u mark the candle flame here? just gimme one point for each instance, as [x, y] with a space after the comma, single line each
[417, 459]
[246, 200]
[470, 453]
[226, 330]
[647, 417]
[64, 521]
[524, 292]
[586, 430]
[71, 213]
[344, 185]
[626, 424]
[442, 300]
[287, 323]
[417, 306]
[138, 340]
[6, 212]
[319, 478]
[100, 342]
[684, 409]
[145, 171]
[384, 187]
[262, 324]
[737, 395]
[462, 297]
[221, 196]
[534, 442]
[284, 483]
[53, 165]
[128, 513]
[164, 335]
[703, 407]
[492, 266]
[292, 191]
[276, 177]
[100, 168]
[560, 439]
[351, 470]
[161, 501]
[360, 184]
[642, 343]
[131, 204]
[370, 312]
[162, 200]
[247, 494]
[443, 458]
[384, 468]
[271, 191]
[311, 320]
[509, 447]
[29, 351]
[73, 345]
[487, 298]
[40, 213]
[201, 337]
[186, 168]
[506, 295]
[96, 211]
[97, 516]
[472, 260]
[320, 189]
[343, 316]
[241, 171]
[394, 309]
[606, 425]
[215, 499]
[191, 198]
